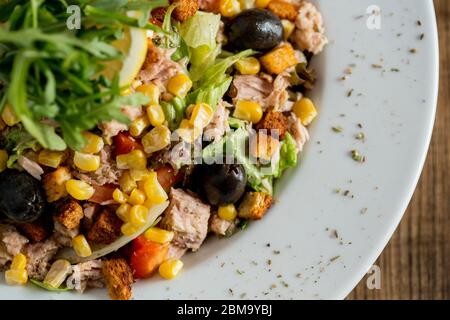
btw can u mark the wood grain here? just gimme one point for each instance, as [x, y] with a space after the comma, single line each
[416, 263]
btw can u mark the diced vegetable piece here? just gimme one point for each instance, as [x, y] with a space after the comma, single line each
[158, 235]
[79, 190]
[147, 259]
[52, 159]
[128, 229]
[279, 59]
[138, 215]
[138, 126]
[248, 110]
[188, 132]
[81, 246]
[229, 8]
[157, 139]
[288, 28]
[119, 196]
[19, 262]
[248, 65]
[125, 144]
[228, 212]
[134, 160]
[102, 193]
[155, 115]
[151, 91]
[139, 174]
[58, 272]
[155, 193]
[16, 277]
[136, 197]
[86, 162]
[167, 177]
[9, 117]
[170, 269]
[127, 183]
[123, 212]
[94, 143]
[305, 110]
[201, 116]
[262, 3]
[179, 85]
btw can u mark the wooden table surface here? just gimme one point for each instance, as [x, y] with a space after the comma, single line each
[416, 263]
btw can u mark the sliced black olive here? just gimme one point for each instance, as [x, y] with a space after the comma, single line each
[21, 196]
[223, 183]
[256, 29]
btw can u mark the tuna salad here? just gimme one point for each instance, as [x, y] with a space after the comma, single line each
[131, 131]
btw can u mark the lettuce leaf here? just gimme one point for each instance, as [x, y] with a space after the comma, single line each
[288, 155]
[201, 30]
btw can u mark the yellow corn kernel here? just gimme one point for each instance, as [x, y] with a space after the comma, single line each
[19, 262]
[126, 92]
[187, 132]
[288, 28]
[119, 196]
[249, 65]
[155, 193]
[159, 235]
[81, 246]
[58, 272]
[137, 197]
[262, 3]
[201, 115]
[86, 162]
[2, 124]
[138, 215]
[127, 183]
[94, 143]
[155, 115]
[248, 110]
[123, 212]
[229, 8]
[134, 160]
[79, 190]
[3, 159]
[150, 90]
[170, 269]
[139, 174]
[179, 85]
[9, 117]
[157, 139]
[128, 229]
[138, 126]
[227, 212]
[16, 277]
[305, 110]
[51, 159]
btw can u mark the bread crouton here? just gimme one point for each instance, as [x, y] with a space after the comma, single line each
[254, 205]
[36, 231]
[118, 277]
[284, 10]
[106, 228]
[69, 213]
[273, 120]
[279, 59]
[185, 9]
[55, 184]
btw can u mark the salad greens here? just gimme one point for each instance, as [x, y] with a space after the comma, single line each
[47, 287]
[48, 72]
[288, 155]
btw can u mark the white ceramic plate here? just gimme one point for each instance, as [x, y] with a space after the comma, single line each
[396, 110]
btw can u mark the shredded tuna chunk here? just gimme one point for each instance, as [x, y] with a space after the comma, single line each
[105, 174]
[11, 243]
[298, 131]
[188, 217]
[31, 167]
[220, 226]
[86, 275]
[175, 252]
[38, 256]
[113, 128]
[279, 97]
[310, 31]
[159, 67]
[219, 123]
[63, 236]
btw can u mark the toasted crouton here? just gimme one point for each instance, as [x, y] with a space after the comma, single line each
[185, 9]
[272, 121]
[279, 59]
[55, 184]
[35, 231]
[283, 9]
[106, 228]
[254, 205]
[118, 277]
[69, 213]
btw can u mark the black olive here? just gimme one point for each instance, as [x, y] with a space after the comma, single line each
[256, 29]
[223, 183]
[21, 196]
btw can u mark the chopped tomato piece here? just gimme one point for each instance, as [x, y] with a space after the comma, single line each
[124, 143]
[103, 194]
[167, 177]
[146, 260]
